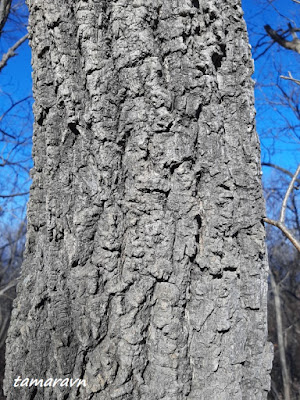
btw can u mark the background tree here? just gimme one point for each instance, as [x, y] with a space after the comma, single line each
[145, 270]
[276, 47]
[15, 161]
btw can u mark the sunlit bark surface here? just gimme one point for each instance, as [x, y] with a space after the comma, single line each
[145, 270]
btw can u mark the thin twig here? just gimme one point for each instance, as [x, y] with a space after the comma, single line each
[280, 223]
[11, 52]
[14, 105]
[290, 78]
[284, 230]
[286, 171]
[288, 192]
[8, 286]
[3, 330]
[3, 196]
[4, 12]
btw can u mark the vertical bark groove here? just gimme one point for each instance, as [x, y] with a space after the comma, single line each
[145, 269]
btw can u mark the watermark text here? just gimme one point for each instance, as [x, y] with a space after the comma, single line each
[49, 382]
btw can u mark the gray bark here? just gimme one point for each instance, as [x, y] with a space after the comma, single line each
[145, 270]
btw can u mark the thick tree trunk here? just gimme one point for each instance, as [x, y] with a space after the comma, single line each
[145, 271]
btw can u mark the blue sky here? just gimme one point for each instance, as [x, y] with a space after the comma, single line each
[18, 72]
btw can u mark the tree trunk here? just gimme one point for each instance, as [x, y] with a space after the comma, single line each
[145, 270]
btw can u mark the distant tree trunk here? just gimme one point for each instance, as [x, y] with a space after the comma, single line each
[145, 270]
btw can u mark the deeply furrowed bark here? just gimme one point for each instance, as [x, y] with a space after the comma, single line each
[145, 270]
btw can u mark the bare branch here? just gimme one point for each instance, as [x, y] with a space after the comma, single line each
[280, 224]
[3, 196]
[288, 192]
[11, 52]
[264, 52]
[284, 230]
[280, 169]
[8, 286]
[280, 39]
[293, 31]
[4, 11]
[14, 105]
[6, 134]
[3, 329]
[290, 78]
